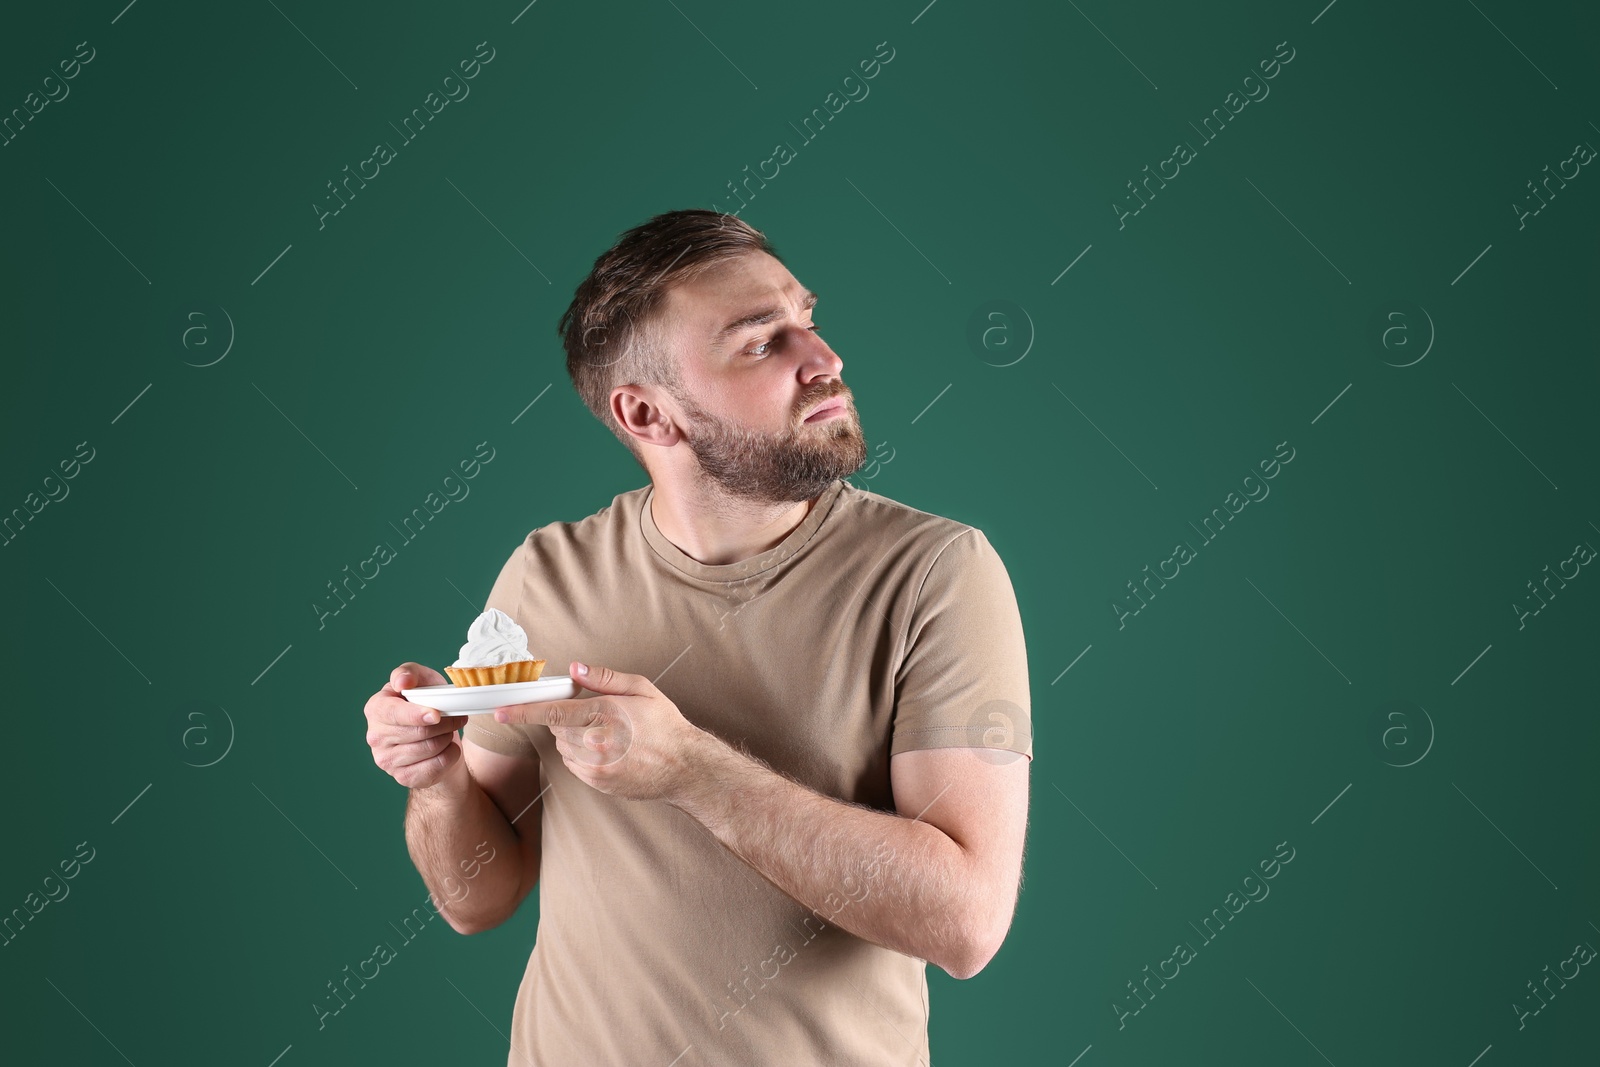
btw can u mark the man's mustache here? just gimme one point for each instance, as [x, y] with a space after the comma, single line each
[812, 402]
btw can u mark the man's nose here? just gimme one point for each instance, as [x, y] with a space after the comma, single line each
[820, 360]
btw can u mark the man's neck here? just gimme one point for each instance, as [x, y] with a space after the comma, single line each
[713, 528]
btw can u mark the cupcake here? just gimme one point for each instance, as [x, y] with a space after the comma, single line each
[496, 652]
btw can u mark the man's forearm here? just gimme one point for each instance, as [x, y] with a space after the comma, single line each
[888, 879]
[447, 827]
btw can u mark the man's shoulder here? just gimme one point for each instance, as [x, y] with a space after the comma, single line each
[589, 532]
[885, 520]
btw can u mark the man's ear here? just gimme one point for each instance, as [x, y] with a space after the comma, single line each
[640, 410]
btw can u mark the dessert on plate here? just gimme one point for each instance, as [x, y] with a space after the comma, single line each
[496, 652]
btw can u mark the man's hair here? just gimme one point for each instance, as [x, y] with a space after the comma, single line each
[613, 330]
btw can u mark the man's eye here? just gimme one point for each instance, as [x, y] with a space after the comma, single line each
[758, 350]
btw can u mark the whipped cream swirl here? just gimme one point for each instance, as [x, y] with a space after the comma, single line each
[494, 638]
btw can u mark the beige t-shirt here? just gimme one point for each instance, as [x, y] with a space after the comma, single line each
[872, 629]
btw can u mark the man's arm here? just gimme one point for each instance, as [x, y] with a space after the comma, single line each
[947, 890]
[466, 802]
[484, 797]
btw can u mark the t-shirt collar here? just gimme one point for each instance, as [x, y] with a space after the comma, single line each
[732, 572]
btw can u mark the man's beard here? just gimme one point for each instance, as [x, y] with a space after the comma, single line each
[777, 468]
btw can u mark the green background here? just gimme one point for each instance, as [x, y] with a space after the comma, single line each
[158, 618]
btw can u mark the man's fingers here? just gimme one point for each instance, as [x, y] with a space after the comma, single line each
[389, 735]
[418, 751]
[412, 675]
[430, 770]
[398, 711]
[552, 713]
[390, 708]
[447, 724]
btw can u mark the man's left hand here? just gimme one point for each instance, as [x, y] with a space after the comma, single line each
[627, 740]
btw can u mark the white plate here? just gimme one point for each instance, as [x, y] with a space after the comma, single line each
[482, 699]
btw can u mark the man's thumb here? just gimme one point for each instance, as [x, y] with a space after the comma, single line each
[410, 675]
[587, 677]
[598, 679]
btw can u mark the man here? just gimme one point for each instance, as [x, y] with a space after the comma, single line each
[801, 769]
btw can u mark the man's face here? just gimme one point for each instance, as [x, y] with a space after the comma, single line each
[753, 370]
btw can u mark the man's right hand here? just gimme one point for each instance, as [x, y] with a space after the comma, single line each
[416, 745]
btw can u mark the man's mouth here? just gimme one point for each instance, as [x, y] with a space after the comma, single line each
[827, 409]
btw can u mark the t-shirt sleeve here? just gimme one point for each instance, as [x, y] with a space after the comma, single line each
[506, 738]
[963, 680]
